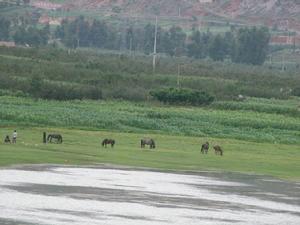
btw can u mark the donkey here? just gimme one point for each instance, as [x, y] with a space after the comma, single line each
[218, 150]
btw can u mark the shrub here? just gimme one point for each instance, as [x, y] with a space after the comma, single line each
[296, 92]
[182, 96]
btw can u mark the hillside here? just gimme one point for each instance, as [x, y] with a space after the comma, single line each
[282, 14]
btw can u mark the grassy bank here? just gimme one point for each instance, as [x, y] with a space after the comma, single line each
[173, 152]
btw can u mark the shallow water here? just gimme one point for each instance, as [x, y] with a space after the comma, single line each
[77, 195]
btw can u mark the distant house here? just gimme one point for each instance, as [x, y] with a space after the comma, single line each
[46, 5]
[285, 40]
[7, 44]
[206, 1]
[45, 19]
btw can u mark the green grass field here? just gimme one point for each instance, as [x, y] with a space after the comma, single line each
[172, 152]
[258, 136]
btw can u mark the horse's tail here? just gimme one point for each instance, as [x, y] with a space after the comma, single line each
[221, 151]
[103, 142]
[142, 143]
[61, 139]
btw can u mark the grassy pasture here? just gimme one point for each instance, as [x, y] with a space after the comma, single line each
[173, 152]
[264, 141]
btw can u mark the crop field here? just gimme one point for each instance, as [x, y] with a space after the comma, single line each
[275, 123]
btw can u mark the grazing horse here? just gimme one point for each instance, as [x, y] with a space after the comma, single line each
[147, 141]
[218, 150]
[204, 148]
[58, 138]
[107, 142]
[7, 140]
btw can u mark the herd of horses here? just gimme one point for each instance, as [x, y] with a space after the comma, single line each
[151, 143]
[57, 138]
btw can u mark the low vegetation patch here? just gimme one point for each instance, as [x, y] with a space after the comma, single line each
[182, 97]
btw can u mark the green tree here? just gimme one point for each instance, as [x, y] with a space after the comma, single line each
[198, 46]
[4, 29]
[149, 31]
[174, 41]
[98, 34]
[252, 45]
[217, 48]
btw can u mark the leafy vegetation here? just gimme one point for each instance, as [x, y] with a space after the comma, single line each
[60, 74]
[182, 96]
[243, 123]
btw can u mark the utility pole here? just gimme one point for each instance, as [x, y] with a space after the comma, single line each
[283, 63]
[155, 49]
[178, 75]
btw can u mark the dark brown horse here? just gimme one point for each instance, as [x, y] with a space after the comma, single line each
[148, 141]
[218, 150]
[106, 142]
[7, 140]
[204, 148]
[57, 137]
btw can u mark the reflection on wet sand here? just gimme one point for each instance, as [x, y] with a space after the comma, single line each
[77, 195]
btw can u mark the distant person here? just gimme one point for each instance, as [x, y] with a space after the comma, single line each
[7, 140]
[14, 137]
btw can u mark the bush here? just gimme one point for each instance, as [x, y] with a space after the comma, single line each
[182, 96]
[69, 92]
[296, 92]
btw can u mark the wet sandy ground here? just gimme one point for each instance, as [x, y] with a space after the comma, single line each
[88, 195]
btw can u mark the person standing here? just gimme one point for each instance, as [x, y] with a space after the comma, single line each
[14, 137]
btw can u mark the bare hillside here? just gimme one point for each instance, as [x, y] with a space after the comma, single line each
[281, 13]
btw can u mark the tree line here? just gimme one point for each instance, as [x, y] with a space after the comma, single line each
[244, 45]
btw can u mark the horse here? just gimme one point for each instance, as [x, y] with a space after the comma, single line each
[218, 150]
[7, 140]
[204, 148]
[148, 141]
[58, 138]
[107, 142]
